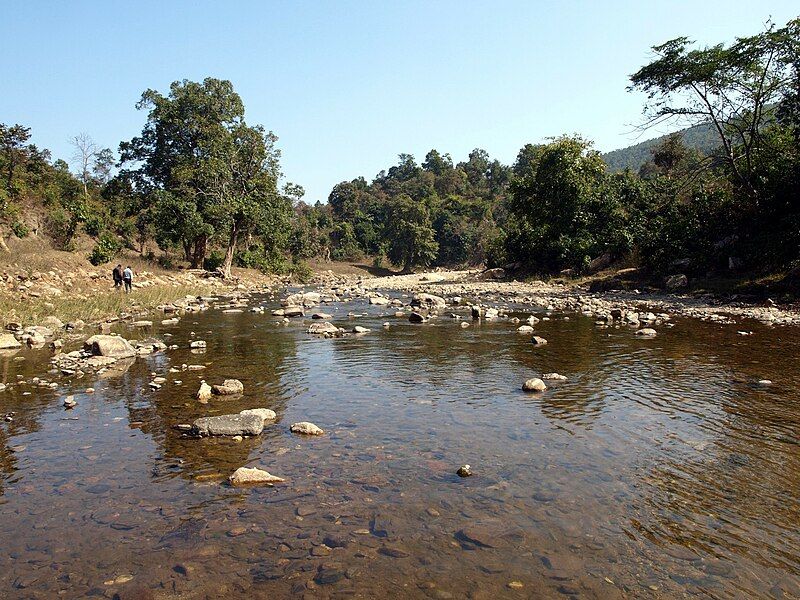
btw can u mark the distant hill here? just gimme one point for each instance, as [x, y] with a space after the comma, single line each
[701, 137]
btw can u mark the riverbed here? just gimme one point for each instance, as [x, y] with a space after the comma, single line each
[660, 468]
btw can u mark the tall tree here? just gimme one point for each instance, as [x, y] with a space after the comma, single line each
[84, 153]
[735, 88]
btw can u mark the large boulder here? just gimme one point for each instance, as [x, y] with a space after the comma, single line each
[428, 301]
[302, 299]
[111, 346]
[323, 327]
[247, 424]
[675, 282]
[229, 387]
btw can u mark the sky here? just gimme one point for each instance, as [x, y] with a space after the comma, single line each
[347, 86]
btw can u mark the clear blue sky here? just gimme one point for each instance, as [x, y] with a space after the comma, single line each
[347, 86]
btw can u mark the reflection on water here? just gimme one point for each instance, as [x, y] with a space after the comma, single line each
[657, 470]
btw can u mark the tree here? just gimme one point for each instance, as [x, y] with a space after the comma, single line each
[12, 145]
[562, 215]
[735, 88]
[409, 234]
[217, 171]
[85, 151]
[102, 166]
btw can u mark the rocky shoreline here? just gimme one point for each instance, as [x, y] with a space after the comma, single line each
[480, 289]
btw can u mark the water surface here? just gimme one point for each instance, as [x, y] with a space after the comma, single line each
[658, 470]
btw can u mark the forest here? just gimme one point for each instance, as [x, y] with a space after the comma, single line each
[201, 187]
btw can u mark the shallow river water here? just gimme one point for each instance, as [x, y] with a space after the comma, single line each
[660, 469]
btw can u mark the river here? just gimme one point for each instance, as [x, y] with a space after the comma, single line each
[658, 469]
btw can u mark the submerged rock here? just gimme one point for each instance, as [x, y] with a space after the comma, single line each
[306, 428]
[249, 424]
[534, 385]
[229, 387]
[646, 332]
[111, 346]
[245, 475]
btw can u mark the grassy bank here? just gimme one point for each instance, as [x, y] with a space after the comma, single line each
[98, 306]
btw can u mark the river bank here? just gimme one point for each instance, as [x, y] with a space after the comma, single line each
[569, 297]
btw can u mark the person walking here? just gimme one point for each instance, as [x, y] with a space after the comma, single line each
[127, 277]
[117, 274]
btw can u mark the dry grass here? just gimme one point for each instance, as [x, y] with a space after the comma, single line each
[95, 307]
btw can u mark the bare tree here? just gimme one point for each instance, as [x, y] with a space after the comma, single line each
[85, 151]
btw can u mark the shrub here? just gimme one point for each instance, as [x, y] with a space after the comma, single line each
[20, 229]
[107, 247]
[214, 260]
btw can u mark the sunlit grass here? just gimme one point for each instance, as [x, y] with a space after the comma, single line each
[94, 306]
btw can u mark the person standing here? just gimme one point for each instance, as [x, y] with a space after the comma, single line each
[127, 277]
[117, 274]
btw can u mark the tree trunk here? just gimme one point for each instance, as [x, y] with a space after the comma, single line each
[226, 266]
[199, 252]
[187, 251]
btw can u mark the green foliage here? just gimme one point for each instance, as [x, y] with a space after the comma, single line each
[214, 260]
[20, 229]
[106, 248]
[94, 225]
[409, 233]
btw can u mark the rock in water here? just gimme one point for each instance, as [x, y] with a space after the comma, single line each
[245, 476]
[293, 311]
[265, 413]
[360, 329]
[197, 344]
[646, 332]
[379, 300]
[322, 328]
[416, 317]
[306, 428]
[321, 315]
[109, 345]
[464, 471]
[205, 392]
[534, 385]
[538, 341]
[7, 340]
[554, 377]
[428, 301]
[524, 329]
[69, 402]
[250, 424]
[229, 387]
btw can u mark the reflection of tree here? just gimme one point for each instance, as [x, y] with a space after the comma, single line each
[242, 346]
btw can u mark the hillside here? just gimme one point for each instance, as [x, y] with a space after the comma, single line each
[699, 137]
